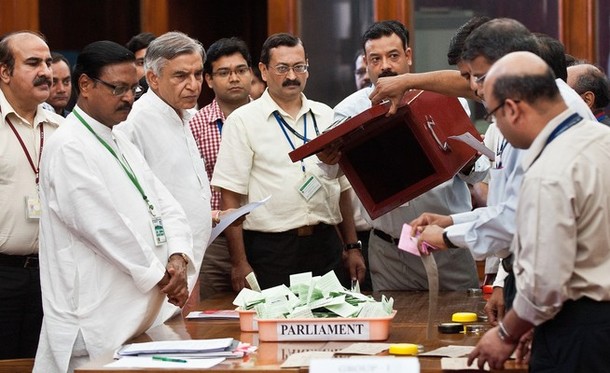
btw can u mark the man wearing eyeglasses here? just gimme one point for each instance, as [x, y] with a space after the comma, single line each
[158, 126]
[228, 73]
[561, 238]
[114, 243]
[295, 230]
[387, 53]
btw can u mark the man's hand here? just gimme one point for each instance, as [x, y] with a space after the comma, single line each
[427, 219]
[238, 275]
[494, 308]
[524, 348]
[432, 234]
[492, 350]
[331, 154]
[177, 286]
[391, 88]
[239, 221]
[354, 263]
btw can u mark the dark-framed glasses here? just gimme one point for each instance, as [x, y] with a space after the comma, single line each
[225, 73]
[120, 90]
[489, 117]
[284, 69]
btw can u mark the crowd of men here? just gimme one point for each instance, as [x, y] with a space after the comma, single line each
[106, 207]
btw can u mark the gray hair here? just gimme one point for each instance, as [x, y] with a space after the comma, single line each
[167, 46]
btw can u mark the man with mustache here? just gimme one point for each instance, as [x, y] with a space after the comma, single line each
[295, 230]
[25, 81]
[387, 53]
[114, 243]
[61, 90]
[159, 122]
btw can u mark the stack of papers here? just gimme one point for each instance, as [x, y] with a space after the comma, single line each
[309, 297]
[194, 348]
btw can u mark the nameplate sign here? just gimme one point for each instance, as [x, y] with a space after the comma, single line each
[356, 330]
[365, 365]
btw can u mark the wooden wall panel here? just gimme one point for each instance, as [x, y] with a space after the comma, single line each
[18, 15]
[399, 10]
[154, 16]
[282, 16]
[577, 25]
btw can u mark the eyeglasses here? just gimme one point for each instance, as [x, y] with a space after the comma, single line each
[225, 73]
[120, 90]
[480, 79]
[284, 69]
[489, 116]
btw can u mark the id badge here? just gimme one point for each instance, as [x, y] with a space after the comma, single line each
[158, 231]
[32, 207]
[309, 187]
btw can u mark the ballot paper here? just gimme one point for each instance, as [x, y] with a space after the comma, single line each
[364, 348]
[229, 218]
[471, 141]
[213, 315]
[302, 359]
[449, 351]
[460, 363]
[312, 296]
[149, 362]
[408, 243]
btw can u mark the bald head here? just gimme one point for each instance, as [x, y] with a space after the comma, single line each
[520, 87]
[521, 76]
[591, 84]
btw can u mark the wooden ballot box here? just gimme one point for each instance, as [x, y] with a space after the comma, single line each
[391, 160]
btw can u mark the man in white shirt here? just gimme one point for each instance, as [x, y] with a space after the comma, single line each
[158, 126]
[113, 241]
[295, 230]
[561, 241]
[25, 80]
[387, 54]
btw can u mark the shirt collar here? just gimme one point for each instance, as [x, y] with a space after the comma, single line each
[41, 116]
[100, 129]
[540, 141]
[269, 106]
[152, 99]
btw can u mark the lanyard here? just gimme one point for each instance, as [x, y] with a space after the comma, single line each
[36, 169]
[126, 167]
[283, 125]
[567, 123]
[219, 124]
[499, 151]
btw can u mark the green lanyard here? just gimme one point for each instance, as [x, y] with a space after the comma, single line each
[126, 168]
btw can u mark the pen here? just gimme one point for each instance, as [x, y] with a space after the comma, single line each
[170, 359]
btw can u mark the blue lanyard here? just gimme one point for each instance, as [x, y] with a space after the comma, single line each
[219, 124]
[567, 123]
[283, 125]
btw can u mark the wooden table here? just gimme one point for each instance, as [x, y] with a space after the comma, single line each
[415, 322]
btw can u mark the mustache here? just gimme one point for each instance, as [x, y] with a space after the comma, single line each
[289, 82]
[42, 80]
[387, 73]
[124, 107]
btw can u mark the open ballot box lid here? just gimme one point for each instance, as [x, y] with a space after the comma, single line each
[391, 160]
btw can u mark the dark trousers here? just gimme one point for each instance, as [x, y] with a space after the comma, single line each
[20, 312]
[577, 339]
[276, 256]
[363, 237]
[510, 290]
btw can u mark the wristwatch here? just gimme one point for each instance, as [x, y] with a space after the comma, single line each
[352, 246]
[183, 255]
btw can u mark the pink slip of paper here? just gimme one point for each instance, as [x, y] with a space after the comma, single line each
[408, 243]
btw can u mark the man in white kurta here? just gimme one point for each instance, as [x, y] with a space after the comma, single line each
[158, 126]
[102, 270]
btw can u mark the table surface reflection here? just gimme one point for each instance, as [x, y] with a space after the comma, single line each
[415, 322]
